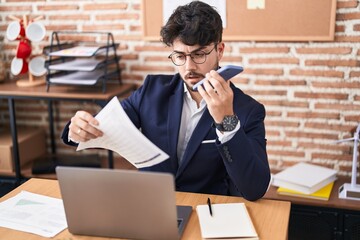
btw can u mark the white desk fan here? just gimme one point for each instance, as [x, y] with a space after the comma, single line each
[352, 190]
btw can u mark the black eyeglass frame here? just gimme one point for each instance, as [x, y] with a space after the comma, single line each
[191, 57]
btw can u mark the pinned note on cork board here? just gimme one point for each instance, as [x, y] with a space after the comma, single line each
[260, 20]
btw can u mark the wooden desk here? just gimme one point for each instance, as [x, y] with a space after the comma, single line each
[10, 91]
[270, 217]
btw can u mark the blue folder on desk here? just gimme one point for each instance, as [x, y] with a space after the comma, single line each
[121, 203]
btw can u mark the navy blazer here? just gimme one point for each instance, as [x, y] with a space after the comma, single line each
[238, 167]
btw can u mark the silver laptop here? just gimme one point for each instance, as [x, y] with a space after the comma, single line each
[121, 203]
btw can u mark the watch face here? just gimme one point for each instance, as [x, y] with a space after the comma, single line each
[229, 123]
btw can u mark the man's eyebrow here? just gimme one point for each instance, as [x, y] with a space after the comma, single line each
[196, 50]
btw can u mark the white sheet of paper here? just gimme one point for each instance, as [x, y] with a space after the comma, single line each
[121, 136]
[229, 220]
[33, 213]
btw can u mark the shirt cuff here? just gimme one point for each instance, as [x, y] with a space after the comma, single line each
[71, 140]
[226, 136]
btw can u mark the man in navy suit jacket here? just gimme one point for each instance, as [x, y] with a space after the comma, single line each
[215, 136]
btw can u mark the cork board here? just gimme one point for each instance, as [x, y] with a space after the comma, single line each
[277, 20]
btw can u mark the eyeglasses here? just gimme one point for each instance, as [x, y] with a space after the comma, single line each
[198, 57]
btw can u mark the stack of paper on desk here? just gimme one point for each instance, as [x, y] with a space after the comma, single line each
[304, 177]
[229, 220]
[322, 194]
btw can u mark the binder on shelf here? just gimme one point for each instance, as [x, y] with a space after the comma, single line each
[304, 177]
[81, 63]
[322, 194]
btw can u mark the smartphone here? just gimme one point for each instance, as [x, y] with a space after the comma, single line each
[225, 72]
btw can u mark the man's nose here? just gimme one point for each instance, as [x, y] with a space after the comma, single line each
[190, 65]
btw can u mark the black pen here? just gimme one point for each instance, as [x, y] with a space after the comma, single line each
[209, 204]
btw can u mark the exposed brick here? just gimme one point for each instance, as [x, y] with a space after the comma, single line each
[148, 68]
[347, 4]
[118, 16]
[231, 59]
[266, 92]
[351, 39]
[332, 106]
[313, 115]
[239, 80]
[337, 85]
[58, 7]
[61, 27]
[103, 27]
[105, 6]
[355, 74]
[282, 103]
[263, 71]
[327, 127]
[325, 147]
[272, 133]
[286, 153]
[264, 82]
[279, 143]
[324, 50]
[281, 123]
[319, 95]
[311, 135]
[356, 27]
[258, 50]
[16, 8]
[68, 17]
[333, 63]
[130, 56]
[274, 61]
[339, 28]
[152, 48]
[347, 16]
[273, 113]
[317, 73]
[332, 156]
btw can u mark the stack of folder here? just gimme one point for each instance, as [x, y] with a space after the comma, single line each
[305, 180]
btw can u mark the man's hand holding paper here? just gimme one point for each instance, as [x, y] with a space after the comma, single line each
[112, 129]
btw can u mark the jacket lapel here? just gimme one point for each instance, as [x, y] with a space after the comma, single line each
[201, 130]
[174, 118]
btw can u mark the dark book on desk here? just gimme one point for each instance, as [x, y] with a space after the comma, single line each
[304, 177]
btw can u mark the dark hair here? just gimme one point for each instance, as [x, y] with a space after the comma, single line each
[194, 23]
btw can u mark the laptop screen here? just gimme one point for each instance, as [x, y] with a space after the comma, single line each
[121, 203]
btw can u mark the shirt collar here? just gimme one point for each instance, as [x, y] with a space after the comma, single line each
[188, 97]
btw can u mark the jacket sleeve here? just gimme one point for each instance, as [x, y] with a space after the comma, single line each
[65, 136]
[245, 157]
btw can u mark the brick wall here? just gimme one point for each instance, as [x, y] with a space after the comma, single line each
[311, 90]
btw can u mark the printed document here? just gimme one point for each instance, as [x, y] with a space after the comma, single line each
[121, 136]
[33, 213]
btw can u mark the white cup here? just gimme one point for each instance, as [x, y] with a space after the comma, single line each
[37, 66]
[15, 30]
[35, 31]
[18, 66]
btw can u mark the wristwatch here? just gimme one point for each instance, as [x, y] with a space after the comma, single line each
[228, 123]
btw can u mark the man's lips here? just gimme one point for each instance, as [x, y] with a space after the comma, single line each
[194, 77]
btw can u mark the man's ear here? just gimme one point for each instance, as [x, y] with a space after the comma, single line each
[220, 49]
